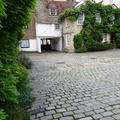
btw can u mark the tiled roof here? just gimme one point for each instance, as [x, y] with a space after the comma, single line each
[61, 5]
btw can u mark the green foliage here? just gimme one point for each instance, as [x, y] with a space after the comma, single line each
[23, 60]
[108, 46]
[8, 81]
[78, 41]
[80, 50]
[25, 98]
[15, 91]
[16, 112]
[91, 36]
[97, 36]
[14, 16]
[2, 11]
[70, 14]
[2, 8]
[117, 35]
[3, 115]
[98, 46]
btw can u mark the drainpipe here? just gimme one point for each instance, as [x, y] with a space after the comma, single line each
[62, 37]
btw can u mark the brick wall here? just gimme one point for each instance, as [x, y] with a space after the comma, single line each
[31, 32]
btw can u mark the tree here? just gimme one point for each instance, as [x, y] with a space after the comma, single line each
[2, 11]
[14, 16]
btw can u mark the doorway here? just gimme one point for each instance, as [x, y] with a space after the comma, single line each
[45, 45]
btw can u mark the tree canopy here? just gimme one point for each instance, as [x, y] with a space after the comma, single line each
[14, 16]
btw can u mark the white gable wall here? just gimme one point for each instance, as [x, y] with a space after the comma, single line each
[105, 2]
[47, 31]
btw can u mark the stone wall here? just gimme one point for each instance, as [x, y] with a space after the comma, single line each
[72, 29]
[43, 13]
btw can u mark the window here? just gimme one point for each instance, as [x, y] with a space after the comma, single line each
[25, 44]
[98, 18]
[67, 23]
[26, 27]
[105, 37]
[68, 39]
[81, 19]
[113, 19]
[57, 26]
[53, 11]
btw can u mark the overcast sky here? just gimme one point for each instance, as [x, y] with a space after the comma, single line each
[116, 2]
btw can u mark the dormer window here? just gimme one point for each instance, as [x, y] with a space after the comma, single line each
[80, 20]
[98, 18]
[53, 11]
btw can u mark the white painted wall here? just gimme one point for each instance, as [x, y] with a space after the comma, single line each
[108, 37]
[38, 41]
[47, 31]
[33, 46]
[57, 44]
[117, 3]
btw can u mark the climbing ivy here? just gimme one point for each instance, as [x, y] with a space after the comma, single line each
[91, 36]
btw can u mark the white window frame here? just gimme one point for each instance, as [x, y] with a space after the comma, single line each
[81, 21]
[98, 18]
[57, 26]
[105, 38]
[67, 23]
[113, 19]
[53, 11]
[25, 44]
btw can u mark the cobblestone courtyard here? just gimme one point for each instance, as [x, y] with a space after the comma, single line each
[70, 86]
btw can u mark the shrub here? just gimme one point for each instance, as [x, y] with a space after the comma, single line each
[15, 94]
[80, 50]
[8, 81]
[3, 115]
[97, 46]
[77, 41]
[117, 40]
[89, 44]
[25, 61]
[108, 46]
[97, 36]
[25, 98]
[118, 45]
[13, 76]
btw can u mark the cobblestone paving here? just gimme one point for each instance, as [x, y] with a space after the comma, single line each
[70, 86]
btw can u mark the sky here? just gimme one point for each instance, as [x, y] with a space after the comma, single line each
[116, 2]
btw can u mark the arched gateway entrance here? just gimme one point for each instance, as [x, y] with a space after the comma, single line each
[49, 44]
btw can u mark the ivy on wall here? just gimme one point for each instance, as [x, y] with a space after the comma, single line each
[91, 36]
